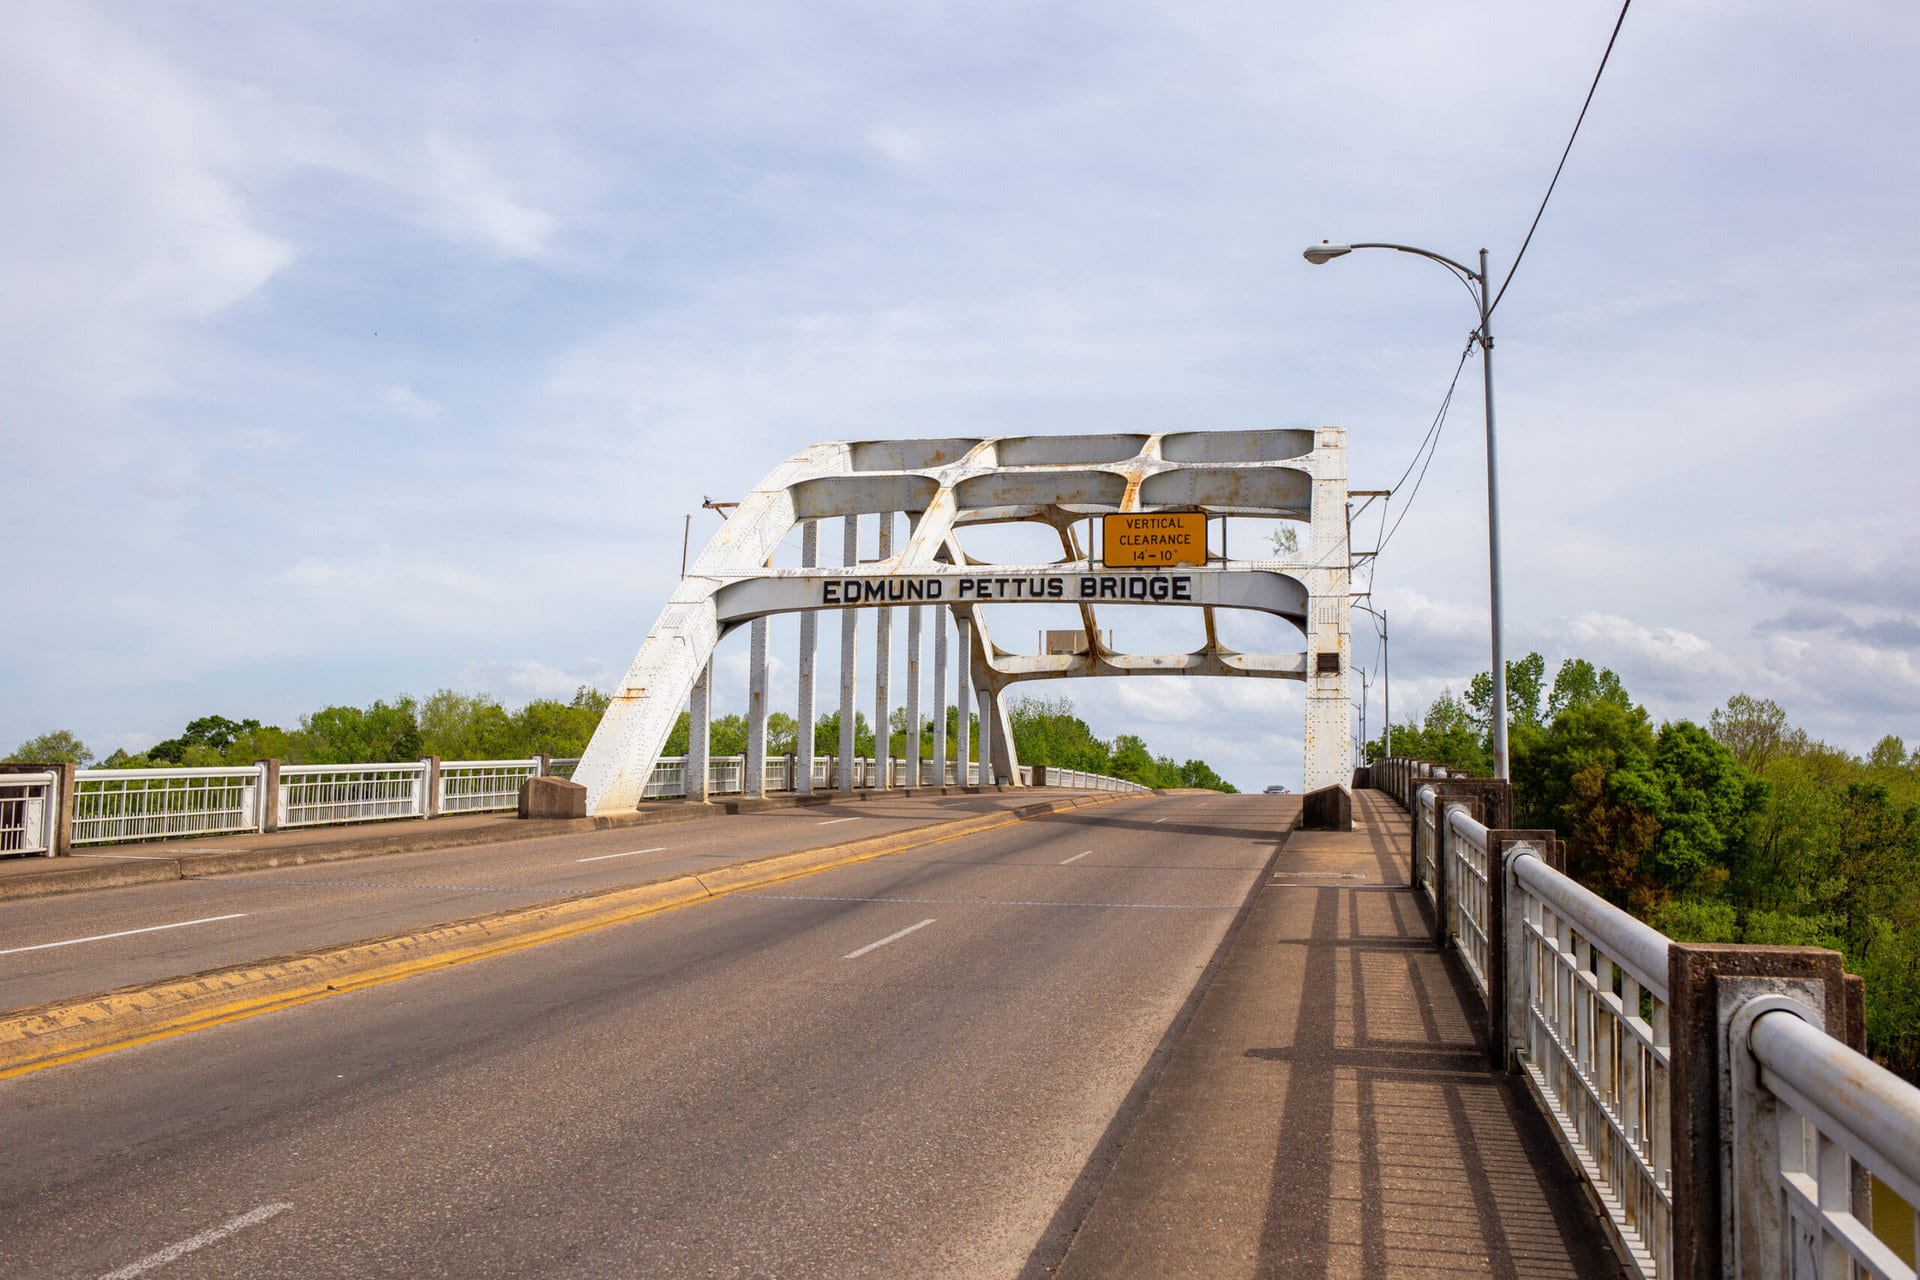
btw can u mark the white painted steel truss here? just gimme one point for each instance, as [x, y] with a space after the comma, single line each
[943, 486]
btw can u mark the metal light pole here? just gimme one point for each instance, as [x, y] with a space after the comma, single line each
[1365, 683]
[1386, 678]
[1325, 252]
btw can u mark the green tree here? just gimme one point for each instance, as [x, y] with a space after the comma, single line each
[1197, 773]
[205, 740]
[782, 730]
[1526, 682]
[826, 735]
[1050, 733]
[1447, 735]
[1578, 683]
[459, 726]
[58, 747]
[1754, 729]
[347, 735]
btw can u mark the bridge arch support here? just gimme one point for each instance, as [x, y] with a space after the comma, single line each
[945, 487]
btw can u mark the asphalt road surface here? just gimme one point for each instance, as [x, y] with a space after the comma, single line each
[72, 945]
[905, 1067]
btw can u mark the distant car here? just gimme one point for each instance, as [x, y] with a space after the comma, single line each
[1276, 790]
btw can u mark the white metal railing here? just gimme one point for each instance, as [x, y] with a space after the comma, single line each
[480, 786]
[1587, 996]
[1426, 836]
[28, 812]
[115, 805]
[669, 778]
[1080, 778]
[314, 795]
[1468, 905]
[1837, 1116]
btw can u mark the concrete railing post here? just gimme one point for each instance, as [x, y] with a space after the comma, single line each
[542, 764]
[1490, 802]
[1507, 939]
[430, 780]
[269, 806]
[1723, 1132]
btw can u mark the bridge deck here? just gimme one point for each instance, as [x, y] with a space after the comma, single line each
[1329, 1111]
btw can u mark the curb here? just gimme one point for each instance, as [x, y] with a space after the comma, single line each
[158, 867]
[46, 1035]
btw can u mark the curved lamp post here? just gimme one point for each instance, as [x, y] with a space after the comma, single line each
[1325, 252]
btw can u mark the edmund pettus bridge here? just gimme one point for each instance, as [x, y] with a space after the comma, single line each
[948, 1014]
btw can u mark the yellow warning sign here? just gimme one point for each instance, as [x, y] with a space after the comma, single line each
[1154, 541]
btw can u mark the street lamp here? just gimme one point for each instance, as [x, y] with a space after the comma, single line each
[1326, 251]
[1386, 675]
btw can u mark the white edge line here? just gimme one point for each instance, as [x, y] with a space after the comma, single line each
[892, 937]
[830, 821]
[602, 857]
[1076, 857]
[211, 1235]
[124, 933]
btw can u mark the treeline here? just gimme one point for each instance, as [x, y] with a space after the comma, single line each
[1746, 830]
[453, 726]
[1049, 733]
[458, 726]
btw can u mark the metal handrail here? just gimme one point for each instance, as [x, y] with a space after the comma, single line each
[1587, 995]
[1844, 1114]
[1468, 893]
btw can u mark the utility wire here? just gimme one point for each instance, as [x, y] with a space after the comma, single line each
[1433, 434]
[1567, 151]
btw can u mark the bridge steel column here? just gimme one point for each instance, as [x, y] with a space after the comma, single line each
[849, 646]
[809, 644]
[913, 694]
[1329, 746]
[883, 671]
[699, 722]
[963, 740]
[985, 702]
[939, 697]
[755, 783]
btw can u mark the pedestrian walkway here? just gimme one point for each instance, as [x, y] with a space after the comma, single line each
[1329, 1111]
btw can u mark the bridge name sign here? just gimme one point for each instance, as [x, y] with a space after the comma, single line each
[982, 588]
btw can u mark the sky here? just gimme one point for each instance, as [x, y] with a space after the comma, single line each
[365, 349]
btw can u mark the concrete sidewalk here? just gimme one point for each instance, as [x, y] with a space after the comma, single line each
[116, 866]
[1328, 1111]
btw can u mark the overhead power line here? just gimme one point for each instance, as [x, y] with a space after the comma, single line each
[1431, 444]
[1565, 152]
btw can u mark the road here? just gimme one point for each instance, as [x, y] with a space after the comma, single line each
[60, 947]
[909, 1066]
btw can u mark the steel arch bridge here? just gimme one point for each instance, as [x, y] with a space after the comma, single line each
[945, 487]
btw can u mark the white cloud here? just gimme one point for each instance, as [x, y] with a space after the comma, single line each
[517, 680]
[410, 403]
[127, 224]
[330, 341]
[469, 198]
